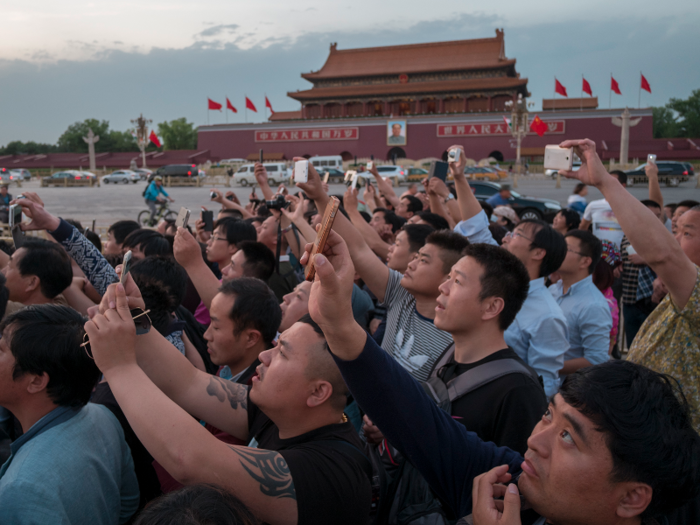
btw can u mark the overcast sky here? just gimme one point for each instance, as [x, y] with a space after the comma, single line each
[68, 61]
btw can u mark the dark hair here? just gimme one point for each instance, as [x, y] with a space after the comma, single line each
[451, 246]
[647, 426]
[572, 218]
[504, 276]
[590, 246]
[488, 209]
[416, 234]
[47, 338]
[414, 203]
[149, 242]
[259, 260]
[579, 188]
[6, 247]
[687, 204]
[551, 241]
[4, 295]
[201, 504]
[251, 220]
[50, 263]
[121, 229]
[94, 239]
[672, 205]
[163, 283]
[603, 275]
[255, 306]
[236, 214]
[114, 259]
[236, 230]
[497, 232]
[620, 175]
[651, 204]
[391, 218]
[76, 224]
[435, 220]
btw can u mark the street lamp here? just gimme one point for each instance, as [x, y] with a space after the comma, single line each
[142, 136]
[518, 127]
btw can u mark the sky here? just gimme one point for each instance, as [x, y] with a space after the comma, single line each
[63, 62]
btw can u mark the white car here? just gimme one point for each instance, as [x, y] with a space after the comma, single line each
[553, 173]
[276, 172]
[89, 174]
[20, 174]
[393, 171]
[143, 172]
[123, 176]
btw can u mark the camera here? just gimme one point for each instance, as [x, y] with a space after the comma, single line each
[651, 158]
[453, 156]
[213, 195]
[278, 203]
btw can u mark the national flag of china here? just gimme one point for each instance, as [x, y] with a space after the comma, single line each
[587, 87]
[230, 106]
[538, 126]
[249, 104]
[614, 86]
[154, 138]
[558, 88]
[507, 121]
[268, 105]
[645, 85]
[214, 105]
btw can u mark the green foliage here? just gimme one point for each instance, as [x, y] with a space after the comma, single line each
[178, 134]
[688, 114]
[72, 139]
[17, 147]
[665, 123]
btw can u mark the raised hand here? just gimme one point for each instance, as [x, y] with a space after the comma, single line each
[457, 168]
[350, 199]
[33, 207]
[314, 186]
[592, 172]
[186, 249]
[261, 174]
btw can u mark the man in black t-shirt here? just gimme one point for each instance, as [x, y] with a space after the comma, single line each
[303, 464]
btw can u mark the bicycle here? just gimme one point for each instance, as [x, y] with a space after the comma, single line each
[163, 212]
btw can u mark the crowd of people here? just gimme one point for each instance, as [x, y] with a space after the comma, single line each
[449, 363]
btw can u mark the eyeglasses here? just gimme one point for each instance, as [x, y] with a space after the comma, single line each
[510, 235]
[141, 320]
[568, 249]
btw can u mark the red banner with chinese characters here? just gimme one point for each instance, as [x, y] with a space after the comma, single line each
[294, 135]
[492, 128]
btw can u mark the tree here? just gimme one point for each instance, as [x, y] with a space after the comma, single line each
[665, 123]
[17, 147]
[71, 141]
[178, 134]
[688, 114]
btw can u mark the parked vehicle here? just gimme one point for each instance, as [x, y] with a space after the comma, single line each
[175, 170]
[20, 174]
[670, 172]
[330, 161]
[89, 175]
[691, 170]
[398, 172]
[481, 173]
[143, 172]
[525, 207]
[5, 175]
[335, 175]
[276, 172]
[123, 176]
[69, 174]
[416, 174]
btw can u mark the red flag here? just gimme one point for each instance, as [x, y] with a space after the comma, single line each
[645, 85]
[154, 138]
[249, 104]
[587, 87]
[230, 106]
[268, 105]
[558, 88]
[214, 105]
[614, 86]
[538, 126]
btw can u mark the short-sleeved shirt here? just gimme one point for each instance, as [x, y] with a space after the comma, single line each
[669, 342]
[412, 339]
[330, 482]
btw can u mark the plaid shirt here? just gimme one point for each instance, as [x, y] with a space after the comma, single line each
[645, 284]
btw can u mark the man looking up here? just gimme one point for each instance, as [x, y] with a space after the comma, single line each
[72, 464]
[539, 334]
[116, 234]
[283, 279]
[408, 206]
[585, 307]
[223, 243]
[252, 259]
[152, 196]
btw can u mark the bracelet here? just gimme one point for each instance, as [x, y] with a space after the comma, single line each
[287, 229]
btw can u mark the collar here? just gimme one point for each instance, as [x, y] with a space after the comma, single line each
[536, 284]
[54, 418]
[284, 258]
[578, 284]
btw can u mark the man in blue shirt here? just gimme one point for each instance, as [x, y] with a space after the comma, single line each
[585, 307]
[502, 198]
[152, 196]
[5, 199]
[72, 464]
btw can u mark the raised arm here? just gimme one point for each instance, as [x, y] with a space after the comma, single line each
[369, 234]
[652, 171]
[468, 204]
[646, 233]
[437, 193]
[385, 188]
[231, 205]
[261, 177]
[189, 255]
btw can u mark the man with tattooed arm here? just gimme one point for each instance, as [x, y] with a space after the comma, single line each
[303, 463]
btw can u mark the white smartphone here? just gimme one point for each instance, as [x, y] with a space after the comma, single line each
[15, 216]
[370, 165]
[182, 218]
[651, 158]
[453, 156]
[631, 250]
[301, 171]
[556, 158]
[353, 181]
[126, 266]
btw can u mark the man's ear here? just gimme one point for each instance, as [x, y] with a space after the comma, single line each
[251, 337]
[538, 254]
[322, 391]
[32, 283]
[38, 382]
[635, 500]
[491, 307]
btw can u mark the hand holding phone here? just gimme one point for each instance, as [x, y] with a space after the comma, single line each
[651, 158]
[453, 156]
[301, 171]
[182, 218]
[322, 235]
[438, 169]
[560, 159]
[370, 165]
[208, 220]
[126, 267]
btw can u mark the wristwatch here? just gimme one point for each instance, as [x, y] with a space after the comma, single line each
[448, 198]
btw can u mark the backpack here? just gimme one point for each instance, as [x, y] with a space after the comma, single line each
[400, 495]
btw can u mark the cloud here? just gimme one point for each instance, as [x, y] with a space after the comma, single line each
[217, 30]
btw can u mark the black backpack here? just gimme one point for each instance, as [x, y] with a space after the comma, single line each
[400, 495]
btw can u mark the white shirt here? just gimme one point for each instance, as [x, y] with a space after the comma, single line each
[605, 225]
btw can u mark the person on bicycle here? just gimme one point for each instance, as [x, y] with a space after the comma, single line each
[152, 196]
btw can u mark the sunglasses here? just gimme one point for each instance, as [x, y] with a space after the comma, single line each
[141, 320]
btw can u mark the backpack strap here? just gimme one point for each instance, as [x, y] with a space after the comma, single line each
[445, 358]
[482, 374]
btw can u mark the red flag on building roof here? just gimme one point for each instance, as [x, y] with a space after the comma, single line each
[645, 85]
[249, 104]
[154, 138]
[214, 105]
[268, 105]
[614, 86]
[538, 126]
[587, 87]
[558, 88]
[230, 106]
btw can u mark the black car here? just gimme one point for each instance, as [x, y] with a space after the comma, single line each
[525, 207]
[176, 170]
[334, 174]
[670, 172]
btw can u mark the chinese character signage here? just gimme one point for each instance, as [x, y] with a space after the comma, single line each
[296, 135]
[492, 128]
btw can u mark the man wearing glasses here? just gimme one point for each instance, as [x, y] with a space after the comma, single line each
[539, 333]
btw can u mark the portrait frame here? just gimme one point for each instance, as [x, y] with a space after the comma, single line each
[391, 139]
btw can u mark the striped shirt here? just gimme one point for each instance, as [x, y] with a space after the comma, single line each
[630, 275]
[411, 338]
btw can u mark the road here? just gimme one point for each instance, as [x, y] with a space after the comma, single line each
[109, 203]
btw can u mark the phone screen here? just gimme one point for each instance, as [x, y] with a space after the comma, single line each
[438, 169]
[261, 156]
[208, 219]
[322, 236]
[15, 215]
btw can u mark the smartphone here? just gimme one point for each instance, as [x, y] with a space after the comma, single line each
[126, 266]
[348, 175]
[326, 176]
[182, 218]
[322, 236]
[438, 169]
[93, 224]
[301, 171]
[370, 165]
[556, 158]
[453, 156]
[15, 216]
[651, 158]
[213, 195]
[208, 219]
[261, 156]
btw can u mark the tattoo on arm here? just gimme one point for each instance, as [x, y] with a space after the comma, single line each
[269, 469]
[223, 389]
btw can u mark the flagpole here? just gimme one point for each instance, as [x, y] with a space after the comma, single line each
[226, 110]
[246, 109]
[639, 102]
[207, 111]
[554, 93]
[581, 91]
[610, 95]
